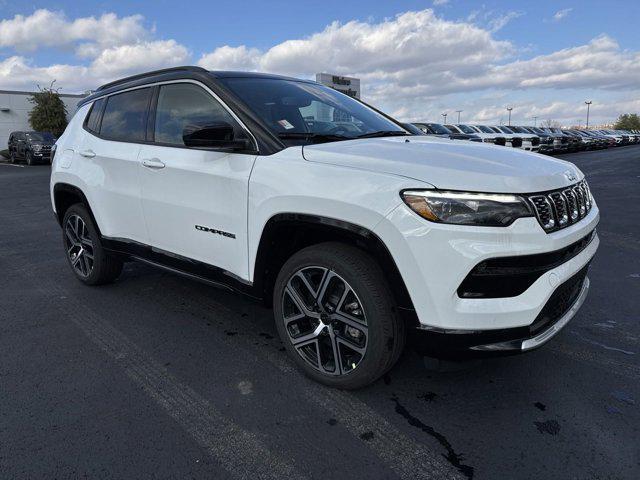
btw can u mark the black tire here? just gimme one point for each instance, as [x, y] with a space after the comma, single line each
[364, 277]
[105, 267]
[29, 158]
[12, 157]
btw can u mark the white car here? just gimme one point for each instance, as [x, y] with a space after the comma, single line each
[525, 141]
[357, 233]
[487, 137]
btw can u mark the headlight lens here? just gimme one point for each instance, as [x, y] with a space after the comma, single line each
[462, 208]
[37, 148]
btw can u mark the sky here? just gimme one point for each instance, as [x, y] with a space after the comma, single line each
[416, 59]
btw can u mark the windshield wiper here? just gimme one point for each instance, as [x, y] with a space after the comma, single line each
[316, 137]
[384, 133]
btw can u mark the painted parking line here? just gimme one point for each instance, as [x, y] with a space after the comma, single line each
[12, 165]
[237, 450]
[408, 458]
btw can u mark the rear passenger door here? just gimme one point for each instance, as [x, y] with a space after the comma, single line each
[116, 128]
[195, 199]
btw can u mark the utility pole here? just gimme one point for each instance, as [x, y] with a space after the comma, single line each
[535, 121]
[459, 111]
[444, 115]
[588, 104]
[509, 110]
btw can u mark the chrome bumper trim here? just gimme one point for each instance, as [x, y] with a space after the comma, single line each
[545, 336]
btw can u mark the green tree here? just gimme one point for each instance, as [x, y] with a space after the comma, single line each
[628, 121]
[49, 113]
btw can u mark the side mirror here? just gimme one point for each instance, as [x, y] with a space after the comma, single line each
[218, 135]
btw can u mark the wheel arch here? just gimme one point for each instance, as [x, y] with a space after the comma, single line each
[65, 195]
[303, 230]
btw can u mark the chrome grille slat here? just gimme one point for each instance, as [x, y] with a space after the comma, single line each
[563, 207]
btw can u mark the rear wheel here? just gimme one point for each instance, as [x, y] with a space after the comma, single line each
[89, 261]
[336, 315]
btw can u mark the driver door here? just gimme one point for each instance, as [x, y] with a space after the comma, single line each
[194, 200]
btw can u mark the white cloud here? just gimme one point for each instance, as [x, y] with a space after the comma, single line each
[45, 28]
[416, 64]
[17, 72]
[499, 22]
[437, 3]
[560, 14]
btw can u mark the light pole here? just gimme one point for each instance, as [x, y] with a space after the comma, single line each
[458, 112]
[588, 104]
[509, 110]
[535, 121]
[444, 115]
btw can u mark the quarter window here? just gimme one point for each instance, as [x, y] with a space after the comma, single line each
[183, 105]
[93, 121]
[125, 116]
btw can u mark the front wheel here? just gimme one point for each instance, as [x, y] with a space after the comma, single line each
[29, 159]
[12, 157]
[336, 315]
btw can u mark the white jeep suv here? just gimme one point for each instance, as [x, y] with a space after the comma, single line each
[359, 234]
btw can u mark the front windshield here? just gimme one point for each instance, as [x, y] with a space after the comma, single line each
[504, 129]
[307, 112]
[484, 128]
[40, 136]
[439, 129]
[466, 129]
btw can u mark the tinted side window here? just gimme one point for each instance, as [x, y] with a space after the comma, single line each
[185, 104]
[93, 120]
[125, 116]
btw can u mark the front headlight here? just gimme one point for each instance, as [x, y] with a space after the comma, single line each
[462, 208]
[37, 148]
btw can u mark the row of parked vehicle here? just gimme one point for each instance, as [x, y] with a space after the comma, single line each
[549, 140]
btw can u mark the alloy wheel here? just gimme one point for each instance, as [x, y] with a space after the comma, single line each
[324, 320]
[79, 246]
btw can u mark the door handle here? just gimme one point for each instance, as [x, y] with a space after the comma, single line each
[88, 153]
[154, 163]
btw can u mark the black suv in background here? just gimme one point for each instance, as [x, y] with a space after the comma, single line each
[441, 131]
[32, 147]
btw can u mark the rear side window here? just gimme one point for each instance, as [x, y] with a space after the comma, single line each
[93, 121]
[183, 105]
[125, 116]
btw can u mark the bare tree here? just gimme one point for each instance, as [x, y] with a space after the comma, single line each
[550, 123]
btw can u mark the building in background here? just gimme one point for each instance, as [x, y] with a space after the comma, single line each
[348, 85]
[15, 107]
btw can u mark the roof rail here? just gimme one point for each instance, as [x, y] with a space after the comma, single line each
[186, 68]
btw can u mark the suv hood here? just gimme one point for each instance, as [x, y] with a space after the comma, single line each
[449, 164]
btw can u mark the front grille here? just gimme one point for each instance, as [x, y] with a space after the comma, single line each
[560, 208]
[560, 302]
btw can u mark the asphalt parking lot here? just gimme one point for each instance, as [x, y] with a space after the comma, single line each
[157, 376]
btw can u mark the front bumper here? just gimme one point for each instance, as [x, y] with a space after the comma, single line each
[434, 259]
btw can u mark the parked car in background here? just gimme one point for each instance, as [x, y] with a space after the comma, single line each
[530, 141]
[513, 140]
[411, 128]
[358, 233]
[546, 140]
[32, 147]
[579, 142]
[488, 135]
[560, 142]
[438, 130]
